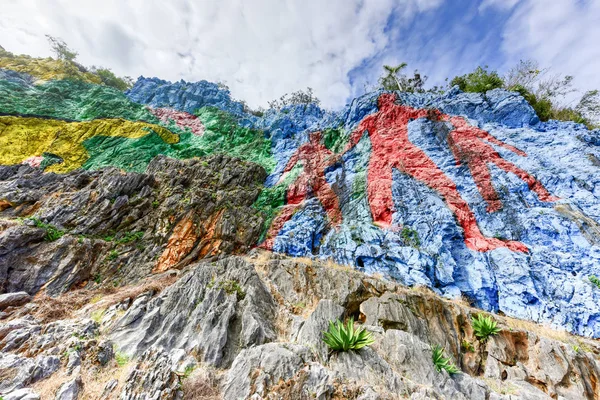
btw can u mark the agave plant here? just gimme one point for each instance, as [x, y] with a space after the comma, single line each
[484, 327]
[440, 362]
[340, 337]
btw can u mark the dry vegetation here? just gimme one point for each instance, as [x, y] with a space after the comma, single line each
[202, 384]
[94, 381]
[261, 259]
[65, 306]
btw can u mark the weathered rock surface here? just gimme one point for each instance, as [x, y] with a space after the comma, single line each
[13, 299]
[148, 295]
[258, 319]
[537, 215]
[70, 390]
[213, 311]
[122, 226]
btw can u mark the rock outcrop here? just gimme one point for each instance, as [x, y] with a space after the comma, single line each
[103, 226]
[258, 320]
[133, 229]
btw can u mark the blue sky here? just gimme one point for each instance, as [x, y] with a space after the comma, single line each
[265, 48]
[450, 39]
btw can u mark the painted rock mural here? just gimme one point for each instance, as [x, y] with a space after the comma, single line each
[468, 194]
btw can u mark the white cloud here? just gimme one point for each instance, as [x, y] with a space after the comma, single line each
[499, 4]
[561, 34]
[262, 48]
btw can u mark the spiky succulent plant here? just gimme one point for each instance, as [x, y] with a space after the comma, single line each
[340, 337]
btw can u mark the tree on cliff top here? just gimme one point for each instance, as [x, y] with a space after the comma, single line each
[110, 79]
[479, 81]
[107, 77]
[542, 89]
[298, 97]
[60, 48]
[394, 79]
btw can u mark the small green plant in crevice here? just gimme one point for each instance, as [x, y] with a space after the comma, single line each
[299, 306]
[155, 204]
[576, 348]
[113, 255]
[188, 371]
[340, 337]
[467, 346]
[410, 236]
[52, 232]
[440, 362]
[121, 359]
[129, 237]
[484, 327]
[97, 315]
[229, 286]
[594, 279]
[98, 278]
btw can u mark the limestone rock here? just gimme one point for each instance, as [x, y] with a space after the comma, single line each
[70, 390]
[21, 394]
[311, 332]
[152, 377]
[13, 299]
[105, 352]
[176, 213]
[215, 309]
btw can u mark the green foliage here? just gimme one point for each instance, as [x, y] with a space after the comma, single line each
[484, 327]
[52, 232]
[113, 255]
[121, 358]
[569, 114]
[410, 236]
[467, 346]
[589, 107]
[391, 79]
[98, 278]
[188, 371]
[595, 280]
[340, 337]
[108, 78]
[231, 287]
[60, 48]
[542, 107]
[543, 91]
[394, 79]
[440, 362]
[155, 204]
[129, 237]
[479, 81]
[294, 98]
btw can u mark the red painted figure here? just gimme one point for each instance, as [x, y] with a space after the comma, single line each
[316, 158]
[470, 145]
[391, 148]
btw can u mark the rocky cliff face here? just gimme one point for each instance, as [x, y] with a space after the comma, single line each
[129, 224]
[250, 327]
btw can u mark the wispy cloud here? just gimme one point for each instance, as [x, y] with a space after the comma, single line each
[262, 48]
[561, 34]
[265, 48]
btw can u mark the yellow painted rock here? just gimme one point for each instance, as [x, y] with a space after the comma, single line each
[22, 138]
